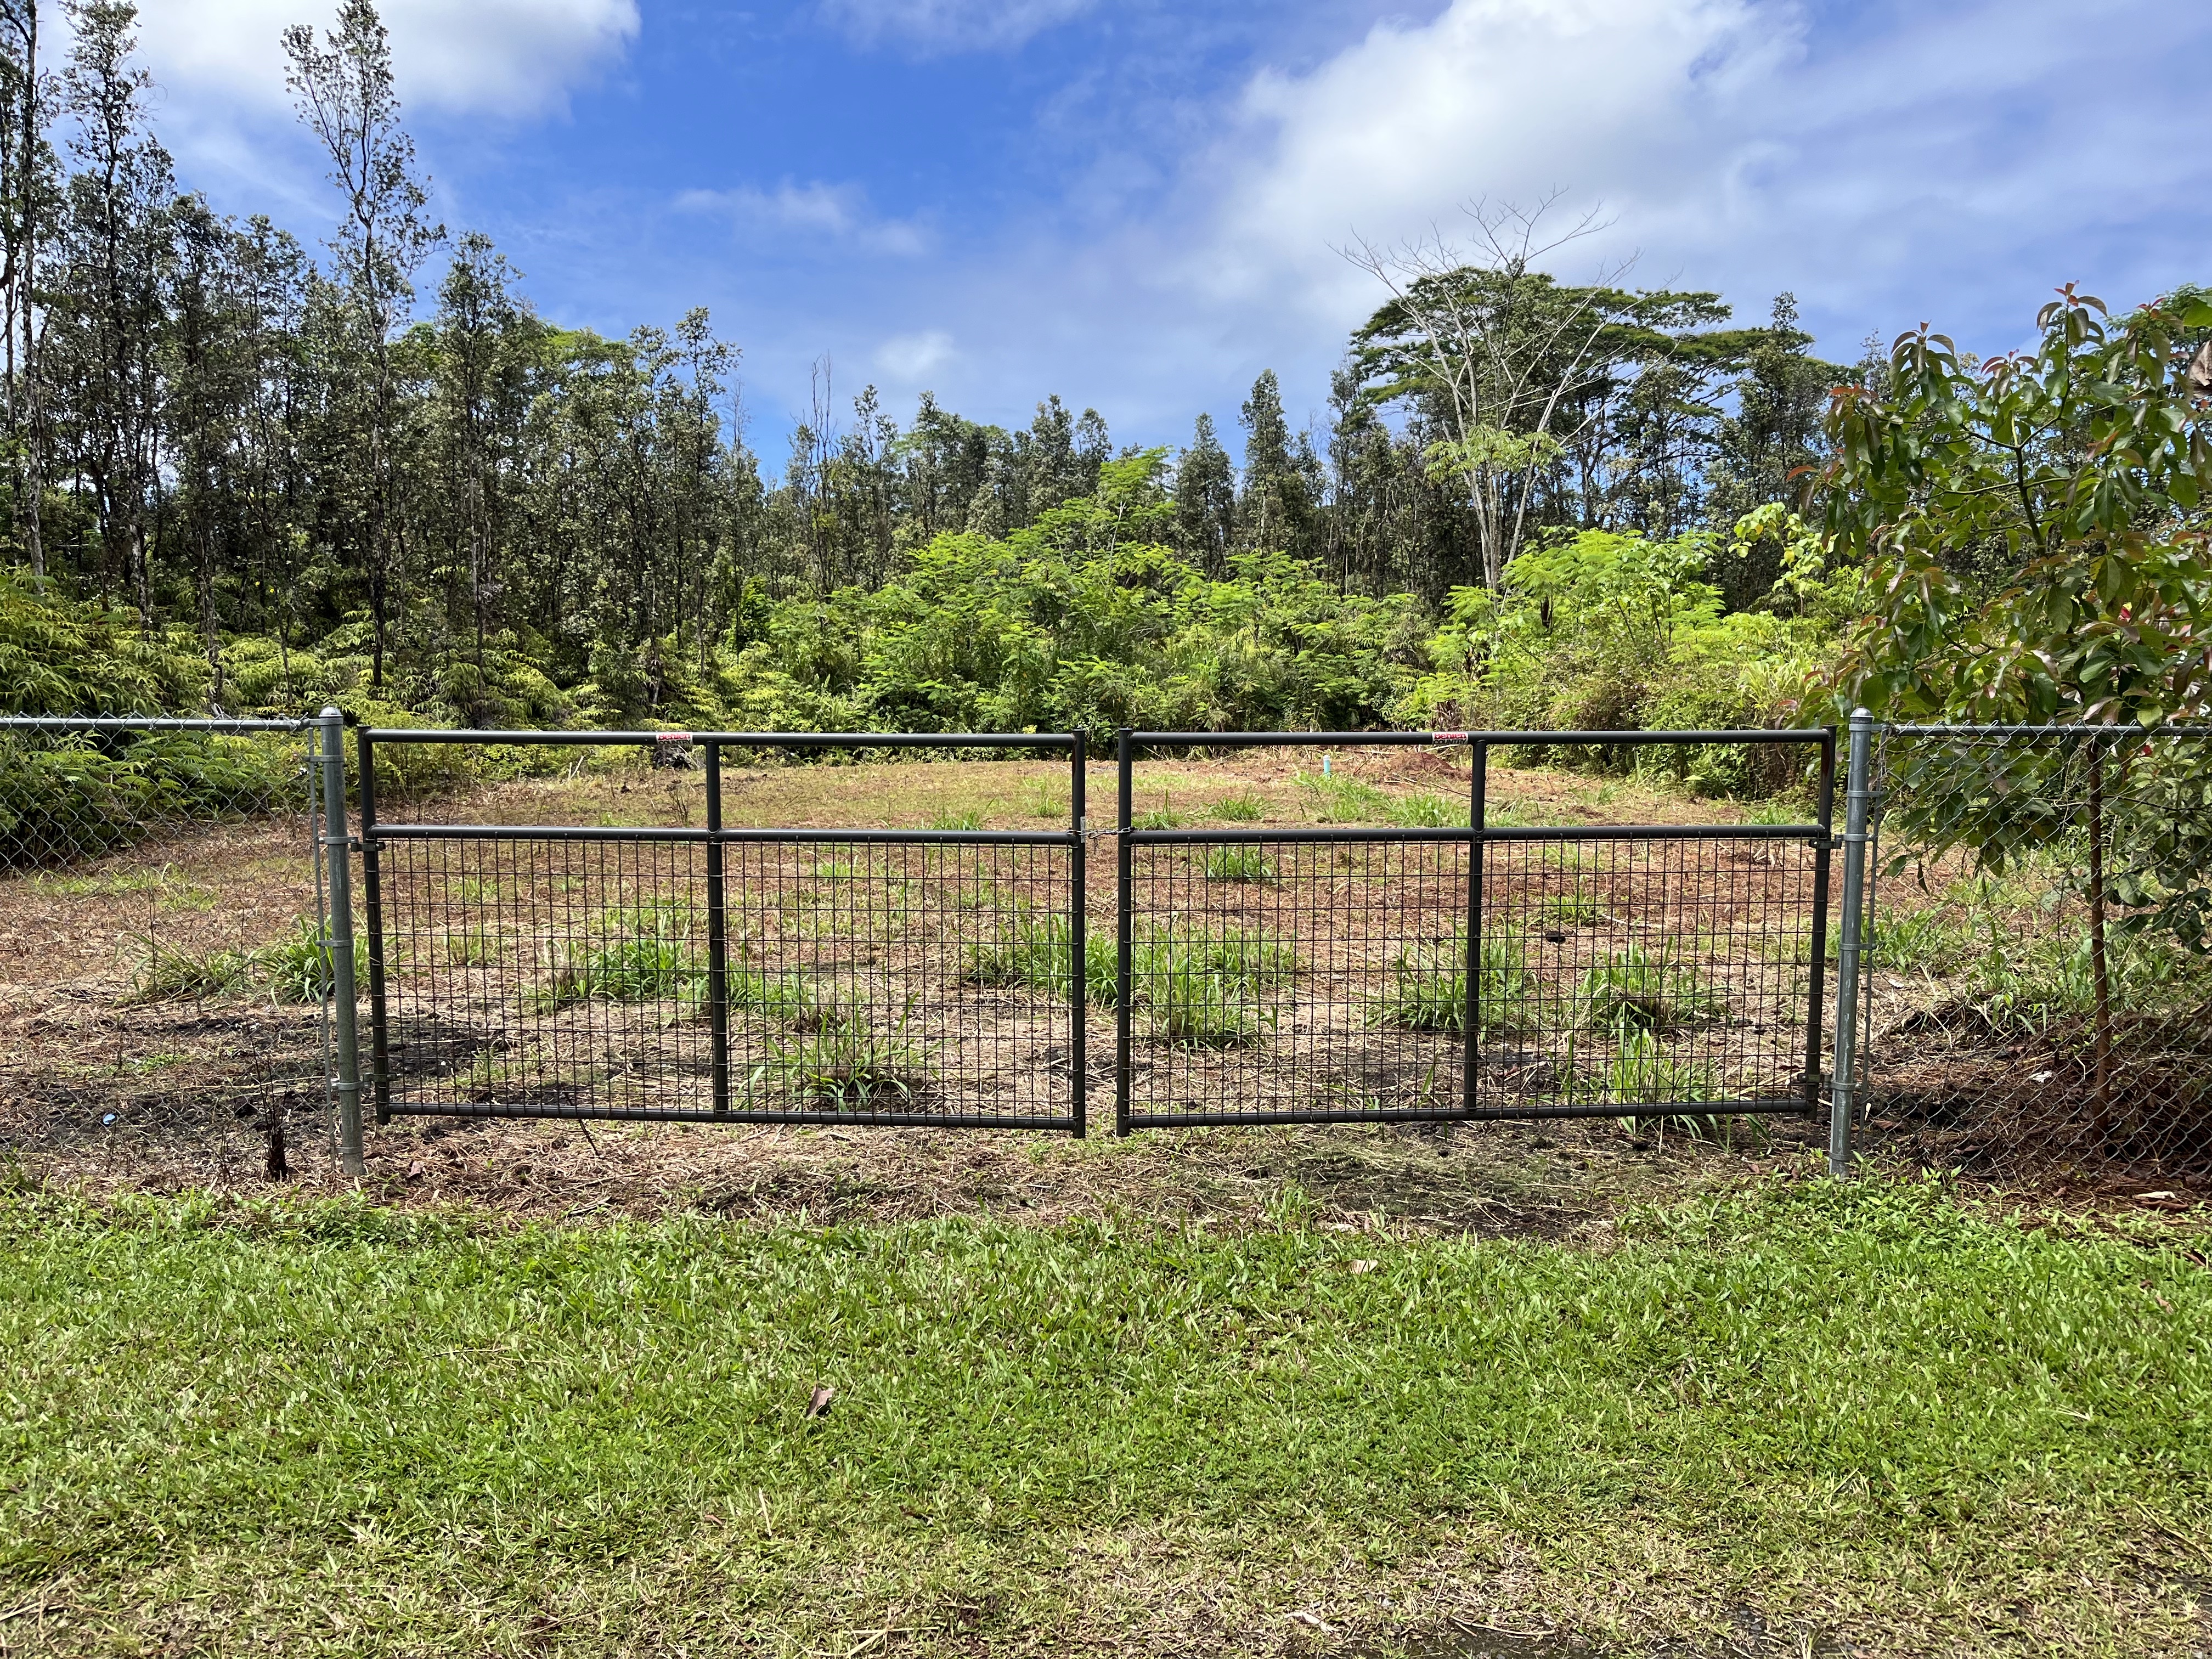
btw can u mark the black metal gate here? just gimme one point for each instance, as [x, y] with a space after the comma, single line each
[1476, 969]
[659, 963]
[701, 971]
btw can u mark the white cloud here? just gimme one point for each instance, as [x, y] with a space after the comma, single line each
[832, 212]
[909, 359]
[1632, 102]
[501, 57]
[1955, 160]
[939, 26]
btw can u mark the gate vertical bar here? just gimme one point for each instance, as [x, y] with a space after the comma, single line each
[371, 895]
[338, 939]
[1817, 978]
[1079, 991]
[1857, 798]
[1124, 912]
[718, 977]
[1478, 822]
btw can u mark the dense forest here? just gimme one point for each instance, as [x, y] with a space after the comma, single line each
[245, 475]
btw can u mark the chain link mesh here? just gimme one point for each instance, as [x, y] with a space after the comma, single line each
[162, 974]
[2038, 970]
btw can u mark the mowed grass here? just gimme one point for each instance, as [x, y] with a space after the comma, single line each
[332, 1428]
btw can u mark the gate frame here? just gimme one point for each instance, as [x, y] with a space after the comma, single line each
[713, 838]
[1477, 834]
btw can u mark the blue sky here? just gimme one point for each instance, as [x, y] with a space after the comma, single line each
[1139, 205]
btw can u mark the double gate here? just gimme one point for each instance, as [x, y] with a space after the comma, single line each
[588, 948]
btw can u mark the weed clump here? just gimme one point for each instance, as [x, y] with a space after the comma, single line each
[1635, 991]
[1427, 988]
[643, 955]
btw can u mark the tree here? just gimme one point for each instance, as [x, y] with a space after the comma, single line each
[110, 309]
[1274, 508]
[1507, 369]
[27, 189]
[1205, 500]
[2034, 532]
[344, 94]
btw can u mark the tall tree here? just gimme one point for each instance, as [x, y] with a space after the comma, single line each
[344, 93]
[27, 189]
[1272, 508]
[111, 309]
[1205, 499]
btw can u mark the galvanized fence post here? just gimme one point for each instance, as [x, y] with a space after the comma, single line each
[337, 858]
[1857, 798]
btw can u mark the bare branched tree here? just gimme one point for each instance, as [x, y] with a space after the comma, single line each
[1491, 349]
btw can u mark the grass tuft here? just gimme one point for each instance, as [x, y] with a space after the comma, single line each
[1427, 988]
[1634, 990]
[1039, 952]
[847, 1062]
[643, 955]
[1237, 864]
[1242, 806]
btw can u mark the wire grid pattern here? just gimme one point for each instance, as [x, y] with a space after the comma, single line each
[2005, 1031]
[1651, 972]
[1259, 972]
[162, 972]
[874, 979]
[1319, 979]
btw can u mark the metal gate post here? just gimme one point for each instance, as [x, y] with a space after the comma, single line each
[1123, 902]
[1078, 959]
[717, 961]
[1858, 797]
[372, 898]
[1817, 957]
[338, 939]
[1478, 818]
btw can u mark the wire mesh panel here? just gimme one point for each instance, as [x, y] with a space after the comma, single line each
[2038, 991]
[1296, 980]
[162, 975]
[1316, 975]
[738, 974]
[1657, 971]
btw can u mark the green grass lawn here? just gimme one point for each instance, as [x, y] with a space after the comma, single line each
[1868, 1414]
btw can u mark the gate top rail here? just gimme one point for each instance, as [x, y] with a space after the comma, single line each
[1348, 739]
[149, 723]
[1061, 740]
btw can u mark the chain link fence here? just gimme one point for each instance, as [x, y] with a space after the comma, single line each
[163, 978]
[2037, 985]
